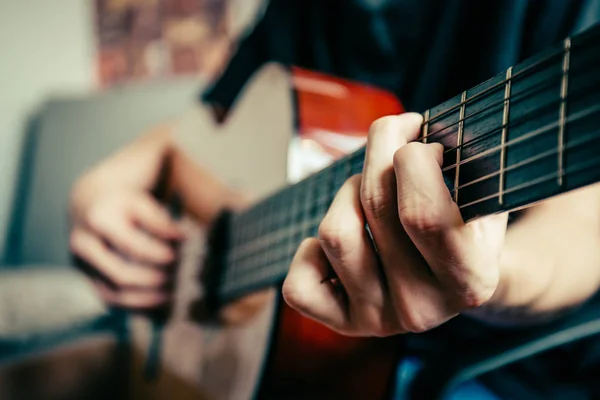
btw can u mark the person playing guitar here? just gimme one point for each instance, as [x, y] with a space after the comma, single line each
[419, 265]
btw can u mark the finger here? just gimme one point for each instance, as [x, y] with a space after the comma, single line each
[348, 247]
[93, 251]
[154, 218]
[413, 290]
[130, 298]
[307, 290]
[378, 186]
[434, 223]
[133, 242]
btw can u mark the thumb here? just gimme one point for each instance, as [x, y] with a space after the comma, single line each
[153, 217]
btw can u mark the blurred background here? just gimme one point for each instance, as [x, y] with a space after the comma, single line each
[76, 47]
[82, 78]
[79, 79]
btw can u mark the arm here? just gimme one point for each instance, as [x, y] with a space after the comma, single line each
[112, 201]
[427, 265]
[139, 164]
[550, 262]
[120, 232]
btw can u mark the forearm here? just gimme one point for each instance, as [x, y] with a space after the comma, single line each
[204, 195]
[136, 165]
[550, 262]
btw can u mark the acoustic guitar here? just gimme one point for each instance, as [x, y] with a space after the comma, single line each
[523, 136]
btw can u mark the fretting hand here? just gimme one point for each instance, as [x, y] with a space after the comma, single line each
[428, 265]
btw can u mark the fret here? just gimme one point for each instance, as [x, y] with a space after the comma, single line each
[563, 109]
[425, 125]
[505, 119]
[511, 122]
[459, 142]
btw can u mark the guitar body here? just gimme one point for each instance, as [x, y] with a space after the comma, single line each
[308, 361]
[285, 116]
[277, 353]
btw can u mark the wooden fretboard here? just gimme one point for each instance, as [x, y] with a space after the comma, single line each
[525, 135]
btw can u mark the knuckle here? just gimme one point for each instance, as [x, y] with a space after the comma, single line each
[371, 320]
[376, 202]
[474, 297]
[383, 329]
[414, 324]
[410, 153]
[383, 124]
[411, 320]
[471, 286]
[333, 238]
[417, 217]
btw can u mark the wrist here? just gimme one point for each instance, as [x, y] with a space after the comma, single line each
[519, 296]
[138, 165]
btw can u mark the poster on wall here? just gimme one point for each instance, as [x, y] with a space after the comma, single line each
[141, 40]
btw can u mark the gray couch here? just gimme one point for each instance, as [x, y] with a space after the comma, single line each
[52, 326]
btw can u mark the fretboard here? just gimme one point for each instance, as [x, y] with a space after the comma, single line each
[523, 136]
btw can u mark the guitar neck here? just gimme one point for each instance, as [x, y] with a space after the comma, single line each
[521, 137]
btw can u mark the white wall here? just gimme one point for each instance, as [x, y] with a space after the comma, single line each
[46, 47]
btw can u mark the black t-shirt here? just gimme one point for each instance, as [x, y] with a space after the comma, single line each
[424, 51]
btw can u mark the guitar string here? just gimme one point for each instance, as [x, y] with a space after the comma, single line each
[528, 69]
[479, 137]
[475, 139]
[577, 167]
[237, 278]
[512, 98]
[522, 164]
[351, 156]
[539, 131]
[529, 135]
